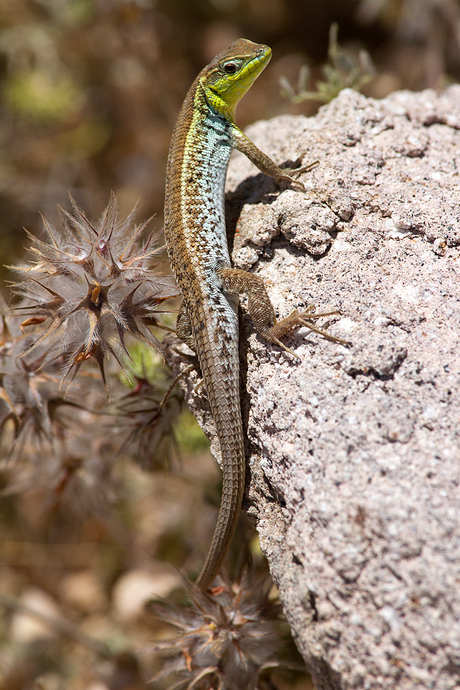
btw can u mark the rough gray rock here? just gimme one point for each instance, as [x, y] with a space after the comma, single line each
[354, 453]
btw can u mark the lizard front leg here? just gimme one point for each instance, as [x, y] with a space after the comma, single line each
[261, 309]
[265, 163]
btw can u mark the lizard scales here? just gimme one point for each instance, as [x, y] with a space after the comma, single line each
[203, 138]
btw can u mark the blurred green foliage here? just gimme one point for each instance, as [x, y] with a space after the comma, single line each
[35, 95]
[342, 72]
[144, 363]
[189, 434]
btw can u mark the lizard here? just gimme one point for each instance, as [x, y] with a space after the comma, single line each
[196, 240]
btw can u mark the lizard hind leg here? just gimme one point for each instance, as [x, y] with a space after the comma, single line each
[261, 309]
[184, 333]
[184, 328]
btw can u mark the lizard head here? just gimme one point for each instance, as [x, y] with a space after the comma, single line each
[227, 78]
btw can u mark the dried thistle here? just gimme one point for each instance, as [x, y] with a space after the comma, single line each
[145, 424]
[54, 439]
[74, 481]
[89, 286]
[30, 405]
[29, 394]
[227, 640]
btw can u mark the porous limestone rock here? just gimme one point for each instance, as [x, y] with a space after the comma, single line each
[354, 452]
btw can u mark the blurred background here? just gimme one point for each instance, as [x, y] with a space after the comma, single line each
[90, 89]
[89, 94]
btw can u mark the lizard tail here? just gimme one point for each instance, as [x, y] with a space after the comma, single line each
[234, 467]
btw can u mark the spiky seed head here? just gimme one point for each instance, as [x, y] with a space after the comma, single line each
[35, 414]
[228, 639]
[91, 284]
[144, 423]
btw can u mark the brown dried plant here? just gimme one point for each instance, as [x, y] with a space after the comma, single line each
[227, 639]
[90, 285]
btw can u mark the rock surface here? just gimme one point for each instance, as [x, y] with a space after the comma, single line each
[354, 453]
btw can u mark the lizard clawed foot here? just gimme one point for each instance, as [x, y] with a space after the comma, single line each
[198, 386]
[180, 376]
[285, 348]
[311, 313]
[303, 169]
[290, 174]
[325, 334]
[296, 320]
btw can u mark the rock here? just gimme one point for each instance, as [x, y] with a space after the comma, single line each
[353, 453]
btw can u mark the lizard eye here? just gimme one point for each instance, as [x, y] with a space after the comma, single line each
[231, 67]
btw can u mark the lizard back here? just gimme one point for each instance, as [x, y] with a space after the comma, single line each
[197, 246]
